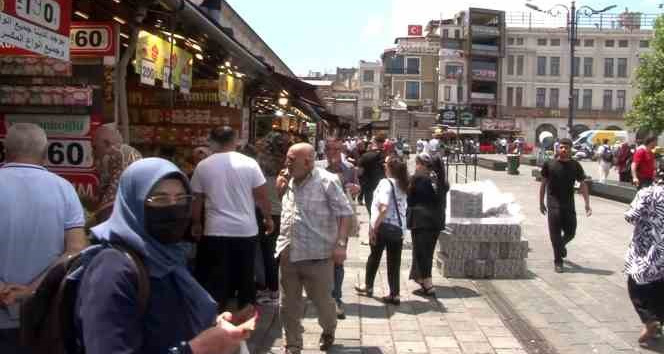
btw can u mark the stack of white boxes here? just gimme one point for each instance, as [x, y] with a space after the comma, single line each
[477, 246]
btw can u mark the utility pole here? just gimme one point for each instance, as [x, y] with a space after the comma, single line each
[573, 70]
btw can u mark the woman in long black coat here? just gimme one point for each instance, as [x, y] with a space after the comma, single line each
[427, 195]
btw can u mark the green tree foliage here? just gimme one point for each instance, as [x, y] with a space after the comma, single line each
[648, 106]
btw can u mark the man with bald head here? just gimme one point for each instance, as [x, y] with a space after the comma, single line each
[112, 157]
[315, 221]
[41, 221]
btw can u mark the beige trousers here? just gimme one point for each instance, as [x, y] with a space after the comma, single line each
[317, 278]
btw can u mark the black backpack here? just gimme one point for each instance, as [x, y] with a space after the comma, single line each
[47, 317]
[607, 154]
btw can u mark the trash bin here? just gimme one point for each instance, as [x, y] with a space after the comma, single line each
[513, 164]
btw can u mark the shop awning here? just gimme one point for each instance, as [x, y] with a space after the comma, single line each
[197, 20]
[297, 88]
[330, 118]
[307, 109]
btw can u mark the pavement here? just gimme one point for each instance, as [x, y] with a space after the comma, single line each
[584, 310]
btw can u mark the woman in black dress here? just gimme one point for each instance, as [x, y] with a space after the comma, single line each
[427, 195]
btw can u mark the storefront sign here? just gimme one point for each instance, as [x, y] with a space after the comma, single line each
[484, 74]
[92, 38]
[451, 53]
[452, 117]
[38, 26]
[63, 153]
[85, 183]
[499, 124]
[53, 125]
[158, 51]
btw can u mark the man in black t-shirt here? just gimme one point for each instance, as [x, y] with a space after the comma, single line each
[558, 177]
[371, 169]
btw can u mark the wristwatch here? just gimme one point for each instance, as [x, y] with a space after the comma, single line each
[342, 243]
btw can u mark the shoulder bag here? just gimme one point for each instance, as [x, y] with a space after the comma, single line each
[389, 232]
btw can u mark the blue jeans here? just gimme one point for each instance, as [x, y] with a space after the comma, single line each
[338, 282]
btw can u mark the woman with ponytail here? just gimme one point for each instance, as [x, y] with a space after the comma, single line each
[427, 200]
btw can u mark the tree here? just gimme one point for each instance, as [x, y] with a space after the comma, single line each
[648, 106]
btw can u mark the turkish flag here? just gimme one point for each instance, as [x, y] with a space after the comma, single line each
[414, 30]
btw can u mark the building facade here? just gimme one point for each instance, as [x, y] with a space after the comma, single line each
[340, 93]
[537, 68]
[370, 84]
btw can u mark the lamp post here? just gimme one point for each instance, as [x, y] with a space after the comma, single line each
[572, 15]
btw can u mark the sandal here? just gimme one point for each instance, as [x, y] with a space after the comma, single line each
[425, 292]
[394, 300]
[648, 333]
[363, 290]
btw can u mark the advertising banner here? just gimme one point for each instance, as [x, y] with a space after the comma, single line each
[154, 53]
[36, 26]
[92, 39]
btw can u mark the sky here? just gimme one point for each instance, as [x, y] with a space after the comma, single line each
[320, 35]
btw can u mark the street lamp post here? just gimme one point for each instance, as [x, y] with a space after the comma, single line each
[572, 15]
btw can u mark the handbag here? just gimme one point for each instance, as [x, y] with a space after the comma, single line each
[389, 232]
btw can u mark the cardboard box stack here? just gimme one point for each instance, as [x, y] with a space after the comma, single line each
[481, 243]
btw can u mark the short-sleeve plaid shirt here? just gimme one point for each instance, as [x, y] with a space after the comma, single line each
[309, 216]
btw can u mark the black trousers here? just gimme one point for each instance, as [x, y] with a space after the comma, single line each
[648, 300]
[271, 264]
[225, 266]
[393, 263]
[424, 245]
[562, 228]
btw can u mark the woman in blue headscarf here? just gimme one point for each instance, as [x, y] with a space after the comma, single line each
[151, 215]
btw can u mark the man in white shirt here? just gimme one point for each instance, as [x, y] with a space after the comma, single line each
[231, 185]
[605, 158]
[434, 146]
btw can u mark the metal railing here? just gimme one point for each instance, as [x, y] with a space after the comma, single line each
[604, 21]
[464, 166]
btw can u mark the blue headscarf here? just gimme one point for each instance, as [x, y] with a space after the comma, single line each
[127, 226]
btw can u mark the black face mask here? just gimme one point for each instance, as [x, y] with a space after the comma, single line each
[168, 224]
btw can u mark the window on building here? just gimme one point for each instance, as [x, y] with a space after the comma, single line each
[577, 66]
[446, 33]
[519, 65]
[368, 76]
[622, 67]
[541, 41]
[459, 94]
[541, 66]
[519, 41]
[607, 100]
[447, 92]
[554, 97]
[644, 44]
[457, 33]
[367, 113]
[412, 90]
[588, 42]
[518, 100]
[510, 96]
[368, 93]
[453, 70]
[540, 97]
[394, 65]
[587, 99]
[555, 42]
[620, 100]
[609, 43]
[555, 66]
[510, 41]
[588, 67]
[510, 65]
[623, 43]
[413, 66]
[576, 97]
[608, 67]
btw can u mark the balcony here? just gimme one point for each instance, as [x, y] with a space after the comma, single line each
[485, 50]
[485, 31]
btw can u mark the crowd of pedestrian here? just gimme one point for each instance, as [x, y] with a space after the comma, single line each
[255, 226]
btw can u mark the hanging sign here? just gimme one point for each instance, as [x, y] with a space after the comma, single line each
[158, 51]
[92, 38]
[148, 72]
[37, 26]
